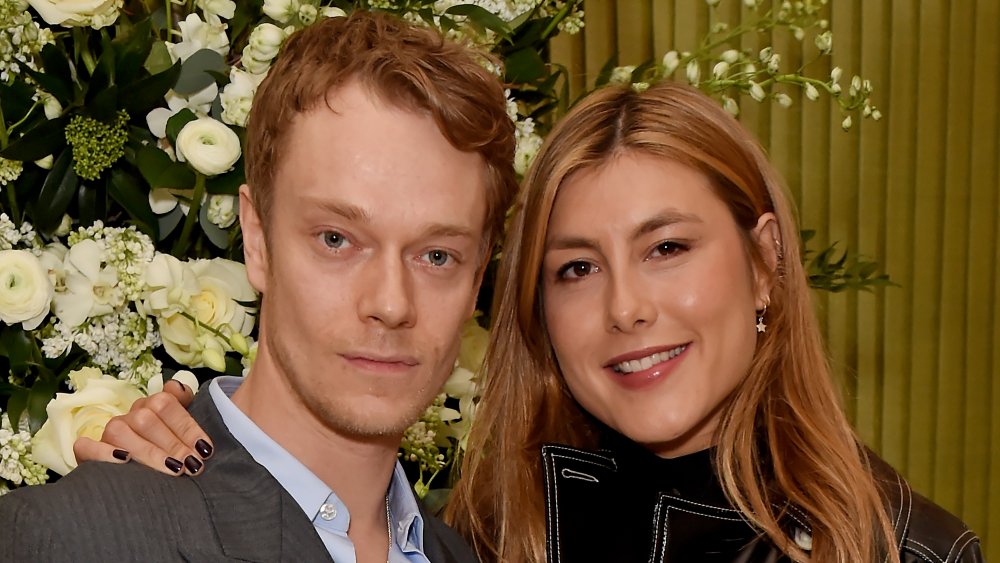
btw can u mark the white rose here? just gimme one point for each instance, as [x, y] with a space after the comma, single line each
[69, 13]
[210, 146]
[25, 289]
[85, 412]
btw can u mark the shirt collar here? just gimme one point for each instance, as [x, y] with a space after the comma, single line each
[308, 491]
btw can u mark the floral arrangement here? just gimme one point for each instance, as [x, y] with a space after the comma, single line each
[121, 133]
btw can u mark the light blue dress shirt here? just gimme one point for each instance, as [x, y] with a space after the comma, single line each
[322, 506]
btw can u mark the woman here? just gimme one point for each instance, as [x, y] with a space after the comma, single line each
[657, 385]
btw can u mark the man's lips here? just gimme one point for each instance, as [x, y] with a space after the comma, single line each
[380, 362]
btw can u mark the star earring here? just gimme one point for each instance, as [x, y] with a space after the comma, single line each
[761, 327]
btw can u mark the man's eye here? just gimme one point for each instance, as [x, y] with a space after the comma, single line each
[437, 257]
[333, 239]
[576, 270]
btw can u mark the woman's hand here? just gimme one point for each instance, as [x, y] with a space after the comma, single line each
[157, 432]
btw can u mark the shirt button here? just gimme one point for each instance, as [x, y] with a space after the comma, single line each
[328, 511]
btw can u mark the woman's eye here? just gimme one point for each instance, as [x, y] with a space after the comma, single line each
[668, 248]
[575, 270]
[437, 257]
[333, 239]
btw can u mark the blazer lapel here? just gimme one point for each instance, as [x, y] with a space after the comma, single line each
[254, 518]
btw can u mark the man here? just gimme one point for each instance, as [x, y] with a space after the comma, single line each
[378, 168]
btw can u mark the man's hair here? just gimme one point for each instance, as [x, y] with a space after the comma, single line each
[410, 67]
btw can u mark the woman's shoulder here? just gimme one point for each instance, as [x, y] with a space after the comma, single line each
[924, 531]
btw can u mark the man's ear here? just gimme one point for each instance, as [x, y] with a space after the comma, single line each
[767, 237]
[254, 242]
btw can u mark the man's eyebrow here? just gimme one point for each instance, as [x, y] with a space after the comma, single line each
[448, 230]
[658, 221]
[345, 210]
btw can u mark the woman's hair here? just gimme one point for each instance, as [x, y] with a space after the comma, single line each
[783, 438]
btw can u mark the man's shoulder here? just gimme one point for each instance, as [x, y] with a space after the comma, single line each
[100, 510]
[442, 543]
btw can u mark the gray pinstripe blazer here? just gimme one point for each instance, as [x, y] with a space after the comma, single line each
[234, 511]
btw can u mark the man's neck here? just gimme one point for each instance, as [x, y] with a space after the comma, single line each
[358, 470]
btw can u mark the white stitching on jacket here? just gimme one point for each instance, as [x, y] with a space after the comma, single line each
[956, 542]
[927, 549]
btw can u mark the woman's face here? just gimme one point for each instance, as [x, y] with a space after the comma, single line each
[650, 299]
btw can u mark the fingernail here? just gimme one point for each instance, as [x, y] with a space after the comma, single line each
[173, 465]
[203, 448]
[192, 464]
[120, 455]
[183, 387]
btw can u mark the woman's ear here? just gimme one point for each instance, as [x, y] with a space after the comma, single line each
[767, 237]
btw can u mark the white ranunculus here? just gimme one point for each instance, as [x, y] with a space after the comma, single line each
[25, 289]
[197, 35]
[210, 146]
[91, 289]
[85, 412]
[74, 13]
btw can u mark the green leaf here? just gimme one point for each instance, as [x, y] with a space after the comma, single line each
[124, 189]
[16, 404]
[55, 64]
[161, 172]
[228, 183]
[92, 202]
[481, 17]
[132, 50]
[436, 499]
[104, 105]
[56, 193]
[38, 398]
[159, 58]
[148, 92]
[523, 66]
[40, 141]
[177, 122]
[194, 72]
[604, 76]
[17, 345]
[16, 100]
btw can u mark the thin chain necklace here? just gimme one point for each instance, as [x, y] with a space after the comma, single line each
[388, 526]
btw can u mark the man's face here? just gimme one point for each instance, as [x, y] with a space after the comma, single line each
[372, 261]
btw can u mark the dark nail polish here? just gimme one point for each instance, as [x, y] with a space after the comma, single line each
[120, 455]
[203, 448]
[192, 464]
[173, 465]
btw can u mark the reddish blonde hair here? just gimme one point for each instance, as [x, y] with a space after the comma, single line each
[411, 67]
[783, 438]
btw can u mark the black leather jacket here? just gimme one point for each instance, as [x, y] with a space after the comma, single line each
[626, 505]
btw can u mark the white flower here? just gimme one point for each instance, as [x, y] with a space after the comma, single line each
[846, 124]
[197, 35]
[17, 464]
[621, 74]
[91, 289]
[85, 412]
[199, 102]
[64, 225]
[264, 43]
[824, 41]
[757, 92]
[10, 170]
[730, 105]
[730, 56]
[772, 65]
[720, 69]
[70, 13]
[155, 384]
[25, 289]
[331, 12]
[223, 210]
[208, 145]
[52, 107]
[237, 96]
[693, 71]
[45, 163]
[835, 74]
[219, 8]
[783, 100]
[670, 62]
[876, 114]
[811, 92]
[281, 10]
[307, 14]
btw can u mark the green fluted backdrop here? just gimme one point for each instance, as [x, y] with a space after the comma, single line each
[917, 191]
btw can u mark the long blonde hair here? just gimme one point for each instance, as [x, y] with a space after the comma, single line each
[783, 438]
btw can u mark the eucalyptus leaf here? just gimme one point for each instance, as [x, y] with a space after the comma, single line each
[168, 222]
[216, 235]
[195, 71]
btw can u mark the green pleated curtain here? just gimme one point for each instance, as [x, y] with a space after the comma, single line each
[917, 191]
